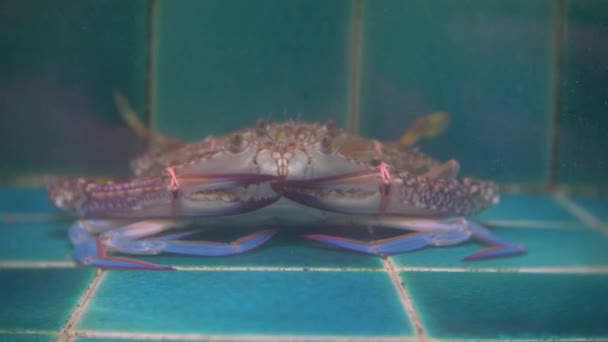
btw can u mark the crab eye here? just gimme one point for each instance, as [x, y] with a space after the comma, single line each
[261, 127]
[325, 146]
[237, 144]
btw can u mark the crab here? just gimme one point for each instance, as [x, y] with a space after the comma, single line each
[275, 175]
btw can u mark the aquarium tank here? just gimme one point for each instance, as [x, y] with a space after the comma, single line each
[303, 170]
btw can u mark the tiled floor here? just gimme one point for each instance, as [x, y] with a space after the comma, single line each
[292, 289]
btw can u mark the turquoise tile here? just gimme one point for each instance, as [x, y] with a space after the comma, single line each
[283, 60]
[35, 241]
[526, 207]
[286, 249]
[40, 299]
[598, 207]
[277, 303]
[60, 63]
[546, 248]
[499, 305]
[484, 62]
[582, 122]
[24, 200]
[28, 338]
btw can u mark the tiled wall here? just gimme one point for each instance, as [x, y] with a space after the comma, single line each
[60, 61]
[218, 65]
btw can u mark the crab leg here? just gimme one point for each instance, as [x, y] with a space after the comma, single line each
[92, 251]
[501, 247]
[428, 233]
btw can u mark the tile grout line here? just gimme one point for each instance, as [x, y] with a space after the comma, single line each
[530, 270]
[28, 332]
[247, 338]
[581, 213]
[143, 336]
[276, 269]
[555, 59]
[354, 96]
[67, 334]
[602, 269]
[17, 264]
[406, 299]
[150, 80]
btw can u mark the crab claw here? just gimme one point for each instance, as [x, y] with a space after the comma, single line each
[169, 195]
[380, 191]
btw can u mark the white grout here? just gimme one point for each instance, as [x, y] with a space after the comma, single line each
[539, 339]
[276, 269]
[405, 298]
[603, 269]
[67, 333]
[28, 332]
[10, 264]
[244, 338]
[543, 270]
[581, 213]
[143, 336]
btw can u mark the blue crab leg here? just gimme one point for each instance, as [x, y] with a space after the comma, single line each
[92, 251]
[501, 247]
[448, 232]
[429, 233]
[196, 248]
[89, 251]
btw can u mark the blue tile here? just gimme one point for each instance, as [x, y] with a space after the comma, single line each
[283, 60]
[484, 62]
[320, 303]
[40, 299]
[526, 207]
[24, 200]
[286, 249]
[509, 305]
[546, 248]
[28, 338]
[598, 207]
[35, 241]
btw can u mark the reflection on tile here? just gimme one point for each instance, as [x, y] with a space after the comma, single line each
[286, 249]
[40, 299]
[283, 60]
[484, 62]
[596, 206]
[248, 303]
[526, 207]
[35, 241]
[545, 248]
[500, 305]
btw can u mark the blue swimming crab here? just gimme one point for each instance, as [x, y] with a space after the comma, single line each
[276, 174]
